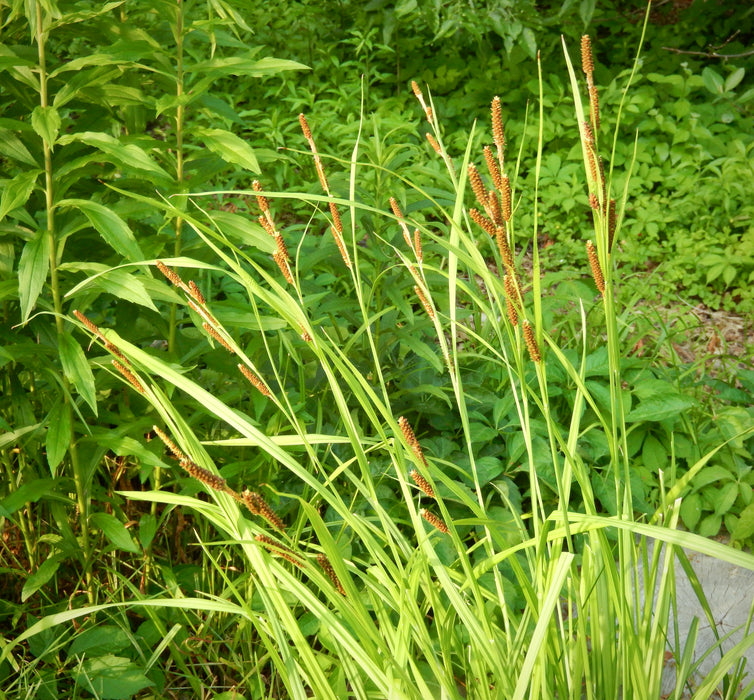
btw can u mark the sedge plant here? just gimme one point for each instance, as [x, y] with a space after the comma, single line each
[374, 566]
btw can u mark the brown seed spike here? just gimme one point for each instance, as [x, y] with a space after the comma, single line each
[433, 142]
[413, 443]
[417, 91]
[216, 335]
[511, 300]
[255, 381]
[493, 168]
[324, 562]
[336, 217]
[486, 224]
[594, 263]
[196, 293]
[341, 246]
[594, 203]
[261, 199]
[505, 194]
[130, 376]
[278, 549]
[531, 342]
[171, 274]
[587, 60]
[494, 207]
[169, 444]
[425, 303]
[611, 223]
[434, 520]
[305, 127]
[396, 208]
[422, 483]
[257, 505]
[594, 106]
[418, 245]
[498, 134]
[477, 186]
[91, 326]
[214, 481]
[506, 255]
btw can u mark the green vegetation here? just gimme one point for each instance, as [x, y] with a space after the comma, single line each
[320, 406]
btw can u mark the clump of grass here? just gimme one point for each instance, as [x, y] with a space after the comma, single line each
[462, 608]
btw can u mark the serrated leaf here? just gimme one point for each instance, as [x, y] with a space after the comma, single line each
[46, 122]
[40, 577]
[17, 191]
[660, 408]
[115, 532]
[76, 369]
[58, 435]
[32, 271]
[110, 226]
[229, 147]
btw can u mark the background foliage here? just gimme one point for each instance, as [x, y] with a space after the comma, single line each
[111, 113]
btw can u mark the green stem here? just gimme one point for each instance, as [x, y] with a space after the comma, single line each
[78, 477]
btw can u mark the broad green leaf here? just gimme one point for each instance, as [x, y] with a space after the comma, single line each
[691, 510]
[147, 529]
[110, 226]
[40, 577]
[710, 474]
[98, 641]
[529, 41]
[713, 81]
[659, 408]
[229, 147]
[76, 369]
[111, 677]
[58, 434]
[32, 271]
[115, 532]
[127, 155]
[13, 147]
[242, 230]
[119, 283]
[710, 526]
[17, 191]
[30, 492]
[46, 122]
[732, 81]
[244, 65]
[725, 497]
[745, 525]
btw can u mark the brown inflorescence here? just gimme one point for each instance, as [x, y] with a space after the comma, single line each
[511, 299]
[214, 481]
[434, 520]
[169, 444]
[255, 381]
[418, 245]
[531, 342]
[477, 187]
[498, 134]
[493, 168]
[172, 275]
[505, 194]
[425, 302]
[506, 254]
[611, 223]
[130, 376]
[587, 60]
[324, 562]
[196, 293]
[594, 106]
[216, 335]
[422, 483]
[258, 506]
[594, 263]
[486, 224]
[91, 326]
[494, 207]
[278, 549]
[594, 203]
[413, 443]
[433, 142]
[419, 96]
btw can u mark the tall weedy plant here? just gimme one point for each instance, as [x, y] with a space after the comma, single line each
[377, 562]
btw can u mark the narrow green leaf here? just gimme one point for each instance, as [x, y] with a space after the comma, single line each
[32, 271]
[244, 65]
[115, 532]
[46, 122]
[110, 226]
[17, 191]
[58, 434]
[229, 147]
[76, 369]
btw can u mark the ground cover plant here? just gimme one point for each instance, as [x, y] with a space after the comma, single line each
[414, 460]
